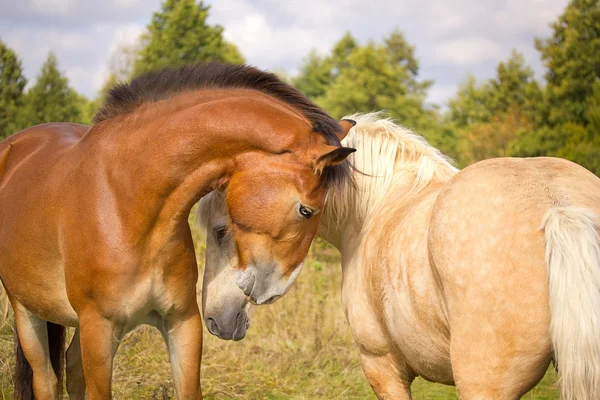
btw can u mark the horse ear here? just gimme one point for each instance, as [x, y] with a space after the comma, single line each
[346, 125]
[332, 156]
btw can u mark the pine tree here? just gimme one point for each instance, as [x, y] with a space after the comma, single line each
[375, 77]
[572, 59]
[318, 73]
[314, 77]
[514, 86]
[12, 84]
[179, 34]
[495, 118]
[51, 99]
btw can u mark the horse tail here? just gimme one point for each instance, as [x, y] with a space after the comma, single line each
[23, 374]
[23, 371]
[573, 262]
[56, 341]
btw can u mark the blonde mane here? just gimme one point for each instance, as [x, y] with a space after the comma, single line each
[388, 156]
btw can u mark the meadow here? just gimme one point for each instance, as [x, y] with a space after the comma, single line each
[298, 348]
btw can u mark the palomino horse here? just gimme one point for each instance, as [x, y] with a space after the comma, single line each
[93, 221]
[477, 278]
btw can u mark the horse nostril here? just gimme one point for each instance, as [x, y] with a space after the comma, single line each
[272, 299]
[241, 326]
[212, 326]
[246, 282]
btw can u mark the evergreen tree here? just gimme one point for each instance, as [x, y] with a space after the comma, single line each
[377, 76]
[368, 78]
[179, 34]
[470, 104]
[318, 73]
[513, 87]
[314, 77]
[493, 118]
[516, 87]
[51, 99]
[12, 83]
[572, 59]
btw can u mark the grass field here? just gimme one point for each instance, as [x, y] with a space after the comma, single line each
[297, 348]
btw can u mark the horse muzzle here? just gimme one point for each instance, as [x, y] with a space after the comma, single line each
[229, 328]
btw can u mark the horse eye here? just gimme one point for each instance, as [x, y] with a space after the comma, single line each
[305, 212]
[220, 232]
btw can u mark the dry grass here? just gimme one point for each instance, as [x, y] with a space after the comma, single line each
[297, 348]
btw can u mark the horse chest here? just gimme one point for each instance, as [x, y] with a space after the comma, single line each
[362, 318]
[142, 302]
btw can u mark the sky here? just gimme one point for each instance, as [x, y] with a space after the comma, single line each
[453, 38]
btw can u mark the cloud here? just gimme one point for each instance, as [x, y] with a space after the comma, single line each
[452, 38]
[70, 13]
[270, 46]
[468, 51]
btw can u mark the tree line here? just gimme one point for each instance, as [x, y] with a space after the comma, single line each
[511, 114]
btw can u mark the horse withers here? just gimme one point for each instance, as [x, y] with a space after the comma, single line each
[477, 278]
[93, 221]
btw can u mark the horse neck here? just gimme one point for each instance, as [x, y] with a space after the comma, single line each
[165, 157]
[351, 210]
[397, 169]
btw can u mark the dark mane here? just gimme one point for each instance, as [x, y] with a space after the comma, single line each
[124, 98]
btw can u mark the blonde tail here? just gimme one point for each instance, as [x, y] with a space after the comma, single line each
[573, 260]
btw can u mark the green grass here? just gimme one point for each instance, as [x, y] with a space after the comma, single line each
[297, 348]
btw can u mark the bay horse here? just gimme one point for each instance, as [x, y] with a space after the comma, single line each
[94, 221]
[476, 278]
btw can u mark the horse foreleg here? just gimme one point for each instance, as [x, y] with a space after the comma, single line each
[33, 337]
[75, 377]
[183, 334]
[99, 340]
[387, 381]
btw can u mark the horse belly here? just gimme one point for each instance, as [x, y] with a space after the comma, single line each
[31, 267]
[41, 290]
[425, 349]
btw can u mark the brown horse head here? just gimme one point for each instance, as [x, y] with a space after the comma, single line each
[279, 153]
[274, 210]
[298, 206]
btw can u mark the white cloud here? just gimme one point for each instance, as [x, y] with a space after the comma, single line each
[273, 47]
[468, 51]
[51, 7]
[81, 13]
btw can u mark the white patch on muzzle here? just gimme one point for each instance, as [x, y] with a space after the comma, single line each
[262, 287]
